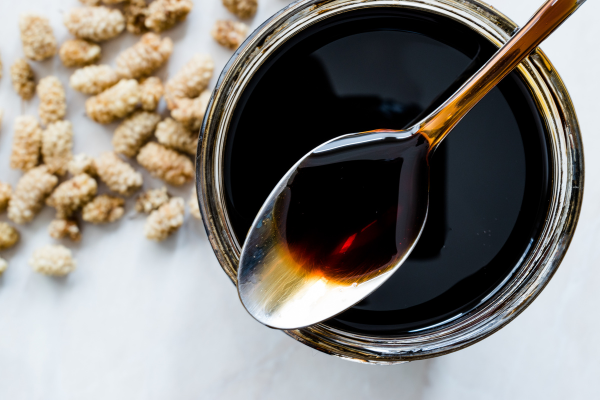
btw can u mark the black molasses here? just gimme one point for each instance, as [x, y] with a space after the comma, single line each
[385, 69]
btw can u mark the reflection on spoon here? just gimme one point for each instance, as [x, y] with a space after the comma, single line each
[348, 214]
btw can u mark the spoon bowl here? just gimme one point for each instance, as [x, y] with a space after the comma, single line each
[304, 258]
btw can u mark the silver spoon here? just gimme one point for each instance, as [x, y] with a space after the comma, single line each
[289, 283]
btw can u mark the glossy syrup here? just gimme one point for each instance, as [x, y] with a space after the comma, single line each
[355, 212]
[358, 72]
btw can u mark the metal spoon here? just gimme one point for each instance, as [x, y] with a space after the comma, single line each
[282, 290]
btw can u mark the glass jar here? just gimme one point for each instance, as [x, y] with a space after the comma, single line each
[537, 264]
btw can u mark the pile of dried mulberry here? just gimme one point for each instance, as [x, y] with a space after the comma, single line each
[43, 149]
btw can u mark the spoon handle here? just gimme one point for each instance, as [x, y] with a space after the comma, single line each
[549, 17]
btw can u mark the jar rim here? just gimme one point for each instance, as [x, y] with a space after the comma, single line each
[538, 267]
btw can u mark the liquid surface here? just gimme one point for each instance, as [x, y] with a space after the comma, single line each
[488, 179]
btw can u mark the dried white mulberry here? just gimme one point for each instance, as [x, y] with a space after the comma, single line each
[173, 134]
[229, 34]
[190, 112]
[151, 200]
[103, 209]
[94, 23]
[94, 79]
[27, 143]
[53, 102]
[241, 8]
[5, 195]
[37, 37]
[72, 195]
[191, 79]
[136, 12]
[166, 220]
[54, 260]
[144, 57]
[166, 164]
[119, 176]
[57, 146]
[164, 14]
[134, 132]
[82, 164]
[64, 228]
[22, 79]
[30, 193]
[79, 53]
[151, 90]
[113, 103]
[9, 236]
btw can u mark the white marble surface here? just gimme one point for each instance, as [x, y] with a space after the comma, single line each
[140, 320]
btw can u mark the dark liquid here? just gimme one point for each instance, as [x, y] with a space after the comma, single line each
[379, 69]
[354, 212]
